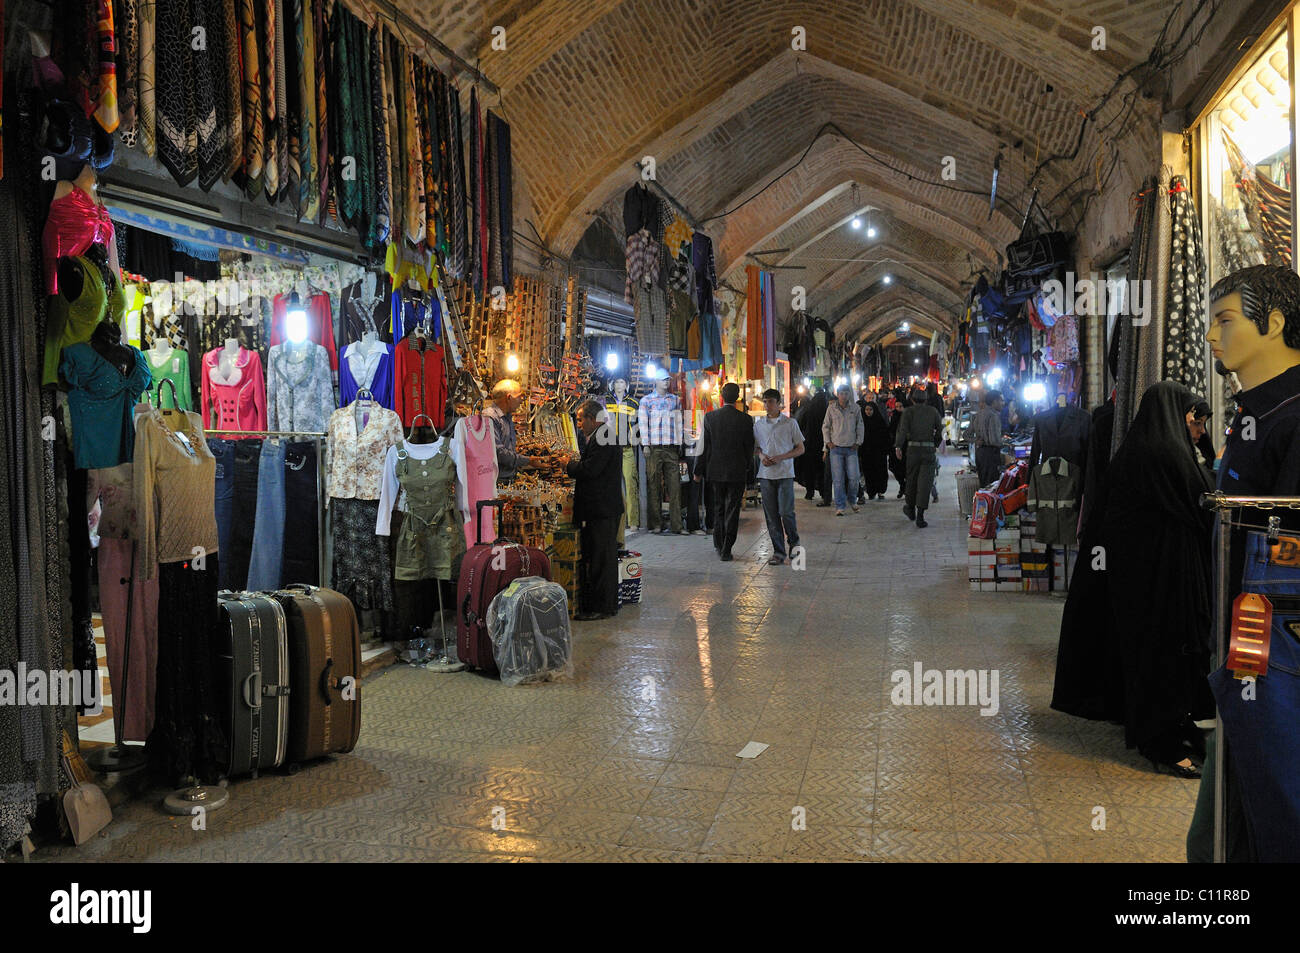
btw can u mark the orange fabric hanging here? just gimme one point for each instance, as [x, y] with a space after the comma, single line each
[753, 325]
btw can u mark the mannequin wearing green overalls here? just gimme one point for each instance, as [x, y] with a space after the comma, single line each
[431, 536]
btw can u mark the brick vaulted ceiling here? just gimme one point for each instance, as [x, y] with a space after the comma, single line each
[713, 90]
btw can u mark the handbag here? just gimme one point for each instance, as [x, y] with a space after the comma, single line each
[1035, 257]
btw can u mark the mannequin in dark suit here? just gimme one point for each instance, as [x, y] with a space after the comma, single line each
[597, 506]
[725, 459]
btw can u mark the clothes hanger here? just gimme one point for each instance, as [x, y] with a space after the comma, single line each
[411, 437]
[172, 416]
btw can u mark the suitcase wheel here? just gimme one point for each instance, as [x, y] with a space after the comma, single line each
[293, 767]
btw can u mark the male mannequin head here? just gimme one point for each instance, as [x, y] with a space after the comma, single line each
[661, 386]
[620, 388]
[1254, 327]
[508, 395]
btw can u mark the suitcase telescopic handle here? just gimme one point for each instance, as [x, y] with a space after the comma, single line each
[497, 504]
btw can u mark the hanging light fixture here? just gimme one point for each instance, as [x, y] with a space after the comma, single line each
[512, 364]
[611, 361]
[857, 221]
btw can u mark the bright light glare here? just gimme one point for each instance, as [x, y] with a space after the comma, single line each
[1035, 392]
[871, 232]
[994, 375]
[611, 361]
[295, 325]
[975, 384]
[857, 222]
[512, 364]
[888, 279]
[651, 371]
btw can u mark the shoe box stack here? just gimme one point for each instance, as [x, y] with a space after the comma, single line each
[629, 578]
[1034, 556]
[983, 564]
[562, 548]
[1063, 560]
[1006, 553]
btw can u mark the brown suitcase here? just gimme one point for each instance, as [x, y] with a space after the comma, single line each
[324, 666]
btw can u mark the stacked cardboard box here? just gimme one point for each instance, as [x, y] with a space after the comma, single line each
[562, 548]
[1034, 556]
[983, 564]
[1006, 548]
[1063, 568]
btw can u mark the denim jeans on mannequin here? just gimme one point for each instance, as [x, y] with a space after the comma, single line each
[844, 476]
[268, 530]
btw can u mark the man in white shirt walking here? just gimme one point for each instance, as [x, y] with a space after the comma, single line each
[779, 441]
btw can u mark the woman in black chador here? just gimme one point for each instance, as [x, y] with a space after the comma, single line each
[808, 468]
[1156, 540]
[873, 455]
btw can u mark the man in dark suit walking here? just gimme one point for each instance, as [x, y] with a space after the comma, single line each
[728, 450]
[597, 506]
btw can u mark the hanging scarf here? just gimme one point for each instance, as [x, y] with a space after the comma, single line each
[212, 126]
[1184, 359]
[106, 111]
[378, 115]
[444, 165]
[414, 156]
[345, 145]
[753, 323]
[148, 67]
[478, 198]
[505, 187]
[308, 184]
[394, 106]
[459, 238]
[321, 38]
[253, 131]
[429, 150]
[128, 52]
[287, 92]
[233, 87]
[359, 48]
[272, 72]
[493, 211]
[177, 132]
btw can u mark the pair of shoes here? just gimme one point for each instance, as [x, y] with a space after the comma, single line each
[823, 503]
[839, 512]
[856, 508]
[909, 512]
[697, 532]
[920, 522]
[776, 561]
[592, 616]
[900, 494]
[726, 556]
[1187, 772]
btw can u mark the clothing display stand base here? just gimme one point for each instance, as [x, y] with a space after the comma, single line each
[115, 758]
[444, 663]
[209, 797]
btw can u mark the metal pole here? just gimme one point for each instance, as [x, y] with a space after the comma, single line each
[321, 570]
[1224, 532]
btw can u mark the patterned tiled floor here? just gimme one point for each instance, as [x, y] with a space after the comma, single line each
[635, 758]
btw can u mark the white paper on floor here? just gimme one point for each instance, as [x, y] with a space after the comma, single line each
[752, 750]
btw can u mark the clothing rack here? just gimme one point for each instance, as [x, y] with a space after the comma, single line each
[1223, 507]
[319, 440]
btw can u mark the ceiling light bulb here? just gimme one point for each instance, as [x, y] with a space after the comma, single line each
[857, 223]
[888, 279]
[611, 361]
[871, 232]
[512, 364]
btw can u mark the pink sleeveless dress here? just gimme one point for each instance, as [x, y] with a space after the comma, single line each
[478, 470]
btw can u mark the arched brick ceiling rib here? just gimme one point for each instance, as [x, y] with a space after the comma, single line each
[613, 88]
[834, 296]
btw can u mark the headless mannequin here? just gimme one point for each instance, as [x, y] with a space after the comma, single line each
[161, 350]
[107, 342]
[228, 356]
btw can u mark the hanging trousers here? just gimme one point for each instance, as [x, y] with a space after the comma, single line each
[662, 472]
[268, 531]
[300, 559]
[631, 487]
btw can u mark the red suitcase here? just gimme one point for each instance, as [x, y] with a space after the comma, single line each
[487, 569]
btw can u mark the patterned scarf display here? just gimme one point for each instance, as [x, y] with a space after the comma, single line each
[308, 199]
[382, 225]
[429, 149]
[177, 134]
[212, 122]
[234, 87]
[459, 258]
[414, 155]
[1184, 357]
[493, 222]
[253, 131]
[505, 188]
[345, 140]
[128, 53]
[106, 111]
[282, 121]
[271, 70]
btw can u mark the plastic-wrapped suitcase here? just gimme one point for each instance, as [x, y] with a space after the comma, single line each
[324, 669]
[967, 483]
[487, 569]
[253, 681]
[528, 622]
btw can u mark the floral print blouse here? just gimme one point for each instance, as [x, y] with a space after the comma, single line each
[356, 461]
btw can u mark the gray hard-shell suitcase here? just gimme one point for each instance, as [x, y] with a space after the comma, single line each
[253, 681]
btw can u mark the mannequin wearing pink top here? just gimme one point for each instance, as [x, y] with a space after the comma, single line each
[477, 464]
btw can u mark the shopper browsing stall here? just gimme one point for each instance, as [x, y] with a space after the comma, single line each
[507, 395]
[597, 506]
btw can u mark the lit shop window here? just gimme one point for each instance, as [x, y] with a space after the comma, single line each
[1249, 177]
